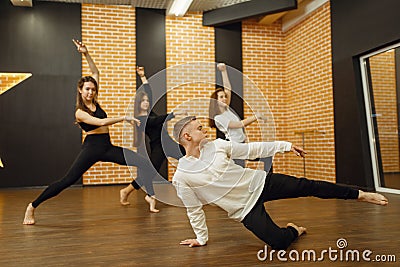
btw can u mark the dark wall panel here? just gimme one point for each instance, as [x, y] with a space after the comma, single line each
[151, 53]
[38, 138]
[358, 27]
[241, 11]
[228, 49]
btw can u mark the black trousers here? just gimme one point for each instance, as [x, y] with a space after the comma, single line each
[280, 186]
[98, 147]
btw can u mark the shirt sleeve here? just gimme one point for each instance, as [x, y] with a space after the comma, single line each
[194, 209]
[255, 150]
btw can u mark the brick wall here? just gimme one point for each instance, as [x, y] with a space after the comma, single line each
[383, 76]
[190, 45]
[309, 95]
[293, 70]
[263, 64]
[109, 33]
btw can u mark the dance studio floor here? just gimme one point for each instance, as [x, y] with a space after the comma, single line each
[86, 226]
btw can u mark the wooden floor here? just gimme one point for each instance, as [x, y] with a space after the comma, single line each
[87, 227]
[392, 180]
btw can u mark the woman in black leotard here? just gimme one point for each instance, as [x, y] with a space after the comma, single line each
[160, 143]
[97, 145]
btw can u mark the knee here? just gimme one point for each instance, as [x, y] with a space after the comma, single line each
[284, 239]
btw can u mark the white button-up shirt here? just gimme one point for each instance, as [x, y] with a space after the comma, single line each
[214, 178]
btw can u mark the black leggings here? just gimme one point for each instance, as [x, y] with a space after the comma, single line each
[280, 186]
[98, 147]
[158, 154]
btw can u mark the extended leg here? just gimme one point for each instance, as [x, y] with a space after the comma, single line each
[81, 164]
[280, 186]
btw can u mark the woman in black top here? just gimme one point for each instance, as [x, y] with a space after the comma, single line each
[152, 125]
[97, 145]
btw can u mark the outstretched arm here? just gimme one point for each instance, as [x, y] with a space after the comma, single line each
[225, 123]
[243, 123]
[82, 116]
[255, 150]
[81, 47]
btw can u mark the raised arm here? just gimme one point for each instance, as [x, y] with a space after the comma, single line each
[228, 92]
[140, 72]
[146, 86]
[81, 47]
[225, 81]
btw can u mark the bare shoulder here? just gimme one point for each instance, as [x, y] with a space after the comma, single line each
[80, 114]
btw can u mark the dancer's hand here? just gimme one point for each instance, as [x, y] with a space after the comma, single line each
[140, 71]
[190, 242]
[221, 66]
[260, 116]
[180, 112]
[81, 47]
[298, 151]
[132, 120]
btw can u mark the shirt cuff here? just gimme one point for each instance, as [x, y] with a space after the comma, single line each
[201, 242]
[288, 146]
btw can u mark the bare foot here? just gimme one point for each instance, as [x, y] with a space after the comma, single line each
[29, 217]
[152, 202]
[300, 230]
[373, 198]
[123, 197]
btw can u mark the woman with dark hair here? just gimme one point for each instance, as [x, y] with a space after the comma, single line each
[161, 145]
[225, 120]
[97, 145]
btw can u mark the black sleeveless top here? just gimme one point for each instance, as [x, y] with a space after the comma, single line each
[153, 125]
[99, 113]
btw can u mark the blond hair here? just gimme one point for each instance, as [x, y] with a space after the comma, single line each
[180, 125]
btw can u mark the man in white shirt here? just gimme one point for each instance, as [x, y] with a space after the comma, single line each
[208, 175]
